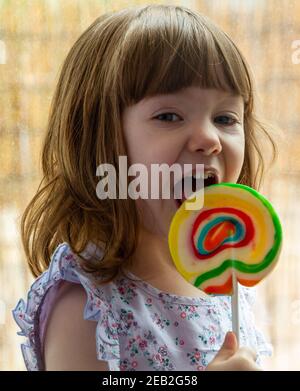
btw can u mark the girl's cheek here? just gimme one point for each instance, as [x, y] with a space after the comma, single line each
[235, 162]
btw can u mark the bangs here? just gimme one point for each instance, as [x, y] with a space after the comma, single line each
[166, 49]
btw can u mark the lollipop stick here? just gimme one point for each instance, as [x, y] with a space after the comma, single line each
[235, 307]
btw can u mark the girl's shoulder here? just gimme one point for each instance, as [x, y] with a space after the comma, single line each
[31, 315]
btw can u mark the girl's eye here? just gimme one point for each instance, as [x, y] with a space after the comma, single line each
[226, 120]
[166, 117]
[221, 119]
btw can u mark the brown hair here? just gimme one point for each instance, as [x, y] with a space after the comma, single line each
[121, 58]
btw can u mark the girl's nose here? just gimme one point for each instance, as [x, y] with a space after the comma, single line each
[204, 138]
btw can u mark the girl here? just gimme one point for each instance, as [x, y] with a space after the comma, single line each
[158, 84]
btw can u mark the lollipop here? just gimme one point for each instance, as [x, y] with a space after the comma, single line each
[235, 237]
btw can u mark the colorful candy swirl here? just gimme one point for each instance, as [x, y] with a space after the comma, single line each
[237, 228]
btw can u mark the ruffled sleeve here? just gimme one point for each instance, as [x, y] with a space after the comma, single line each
[64, 267]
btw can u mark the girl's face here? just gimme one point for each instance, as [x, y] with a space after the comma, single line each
[194, 125]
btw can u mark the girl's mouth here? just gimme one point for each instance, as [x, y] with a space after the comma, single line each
[210, 178]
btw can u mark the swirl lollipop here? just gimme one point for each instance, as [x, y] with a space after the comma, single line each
[235, 237]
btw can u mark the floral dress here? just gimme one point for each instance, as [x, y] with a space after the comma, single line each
[139, 327]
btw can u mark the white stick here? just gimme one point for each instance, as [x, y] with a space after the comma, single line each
[235, 307]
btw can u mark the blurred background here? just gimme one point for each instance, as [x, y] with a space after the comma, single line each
[35, 37]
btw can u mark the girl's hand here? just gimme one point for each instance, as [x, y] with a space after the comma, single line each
[232, 358]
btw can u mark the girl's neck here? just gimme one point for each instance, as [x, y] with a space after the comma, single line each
[152, 262]
[152, 256]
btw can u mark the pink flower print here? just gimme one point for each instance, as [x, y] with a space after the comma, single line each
[134, 364]
[200, 368]
[143, 344]
[130, 342]
[149, 300]
[163, 350]
[183, 315]
[212, 340]
[158, 357]
[197, 356]
[121, 290]
[176, 324]
[98, 303]
[181, 342]
[192, 308]
[124, 365]
[130, 315]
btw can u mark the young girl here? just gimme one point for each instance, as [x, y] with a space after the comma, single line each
[158, 84]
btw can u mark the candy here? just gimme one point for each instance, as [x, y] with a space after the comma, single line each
[237, 232]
